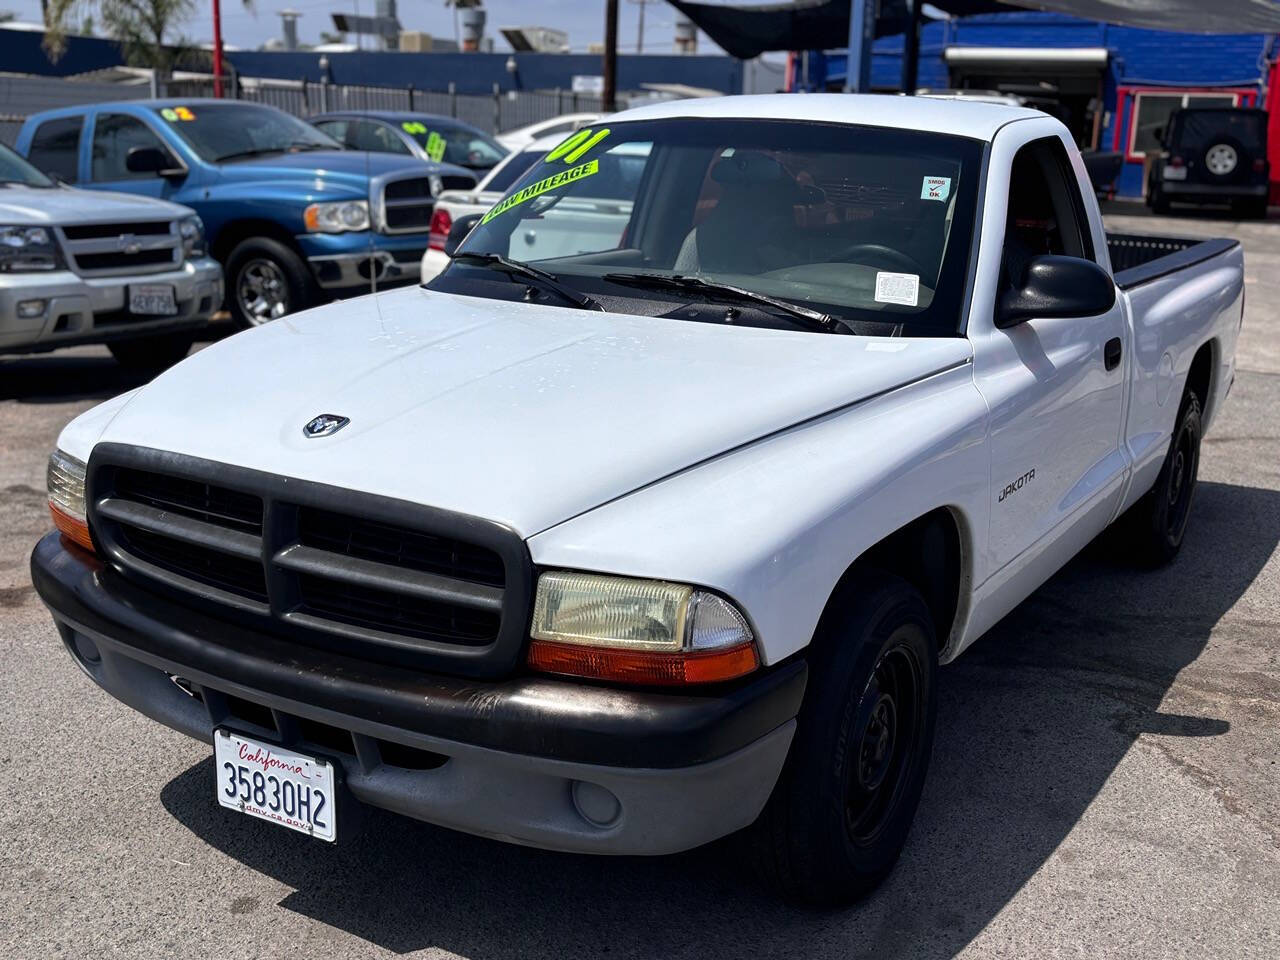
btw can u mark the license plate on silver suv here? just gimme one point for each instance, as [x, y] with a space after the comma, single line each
[152, 299]
[271, 783]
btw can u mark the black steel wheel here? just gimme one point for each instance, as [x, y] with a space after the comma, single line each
[840, 813]
[1155, 526]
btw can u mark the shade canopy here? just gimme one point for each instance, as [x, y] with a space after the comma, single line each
[747, 31]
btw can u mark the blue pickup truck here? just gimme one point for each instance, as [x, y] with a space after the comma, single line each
[293, 218]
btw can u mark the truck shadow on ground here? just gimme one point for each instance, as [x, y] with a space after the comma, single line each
[1032, 722]
[79, 374]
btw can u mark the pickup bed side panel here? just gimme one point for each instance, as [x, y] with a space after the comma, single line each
[1172, 317]
[774, 525]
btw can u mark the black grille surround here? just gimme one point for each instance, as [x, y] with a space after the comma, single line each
[375, 578]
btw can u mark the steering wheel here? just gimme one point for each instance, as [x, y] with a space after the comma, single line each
[887, 256]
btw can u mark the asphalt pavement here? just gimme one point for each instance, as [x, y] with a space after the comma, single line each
[1106, 779]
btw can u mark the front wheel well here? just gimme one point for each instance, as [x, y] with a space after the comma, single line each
[927, 553]
[236, 231]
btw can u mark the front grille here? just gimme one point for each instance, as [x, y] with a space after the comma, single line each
[407, 204]
[107, 249]
[96, 231]
[378, 579]
[123, 261]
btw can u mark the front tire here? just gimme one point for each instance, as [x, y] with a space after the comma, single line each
[840, 813]
[266, 280]
[1155, 526]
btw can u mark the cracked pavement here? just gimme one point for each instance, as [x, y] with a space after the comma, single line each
[1106, 779]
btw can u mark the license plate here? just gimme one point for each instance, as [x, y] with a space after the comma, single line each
[1175, 173]
[271, 783]
[152, 299]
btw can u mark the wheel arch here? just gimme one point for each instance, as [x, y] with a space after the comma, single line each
[1200, 376]
[933, 553]
[234, 232]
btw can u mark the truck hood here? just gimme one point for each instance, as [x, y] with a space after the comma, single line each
[523, 414]
[65, 205]
[348, 167]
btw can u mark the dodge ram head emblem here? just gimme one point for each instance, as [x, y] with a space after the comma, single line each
[325, 425]
[128, 243]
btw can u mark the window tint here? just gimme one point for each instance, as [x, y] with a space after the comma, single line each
[513, 169]
[114, 135]
[1046, 214]
[334, 128]
[55, 148]
[374, 137]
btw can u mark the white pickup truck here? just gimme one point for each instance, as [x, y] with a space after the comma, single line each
[628, 550]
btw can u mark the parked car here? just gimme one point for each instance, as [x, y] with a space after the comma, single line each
[1212, 155]
[557, 127]
[626, 550]
[455, 206]
[423, 135]
[79, 267]
[293, 218]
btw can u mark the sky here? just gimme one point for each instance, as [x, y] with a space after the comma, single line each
[583, 20]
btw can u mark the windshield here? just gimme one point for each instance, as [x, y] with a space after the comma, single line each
[507, 174]
[864, 223]
[13, 169]
[446, 142]
[218, 132]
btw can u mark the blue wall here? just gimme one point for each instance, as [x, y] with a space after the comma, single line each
[1144, 58]
[20, 52]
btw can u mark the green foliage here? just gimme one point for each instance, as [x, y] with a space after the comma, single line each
[148, 31]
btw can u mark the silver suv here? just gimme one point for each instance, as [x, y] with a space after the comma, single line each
[80, 266]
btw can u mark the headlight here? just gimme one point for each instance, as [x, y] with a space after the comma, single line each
[192, 230]
[337, 217]
[637, 631]
[27, 248]
[66, 498]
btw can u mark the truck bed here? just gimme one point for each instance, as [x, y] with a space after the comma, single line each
[1138, 258]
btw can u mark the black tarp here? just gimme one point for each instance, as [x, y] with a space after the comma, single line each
[750, 30]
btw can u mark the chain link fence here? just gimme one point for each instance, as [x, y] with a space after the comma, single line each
[495, 112]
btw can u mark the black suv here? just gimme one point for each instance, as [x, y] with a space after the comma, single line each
[1212, 155]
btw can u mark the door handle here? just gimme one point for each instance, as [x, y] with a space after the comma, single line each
[1111, 353]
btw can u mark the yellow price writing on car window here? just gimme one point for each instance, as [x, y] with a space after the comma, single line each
[413, 126]
[174, 114]
[435, 147]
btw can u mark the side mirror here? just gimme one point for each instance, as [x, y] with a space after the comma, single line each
[458, 232]
[149, 160]
[1056, 286]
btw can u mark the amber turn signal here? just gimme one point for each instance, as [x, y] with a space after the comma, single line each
[643, 667]
[72, 527]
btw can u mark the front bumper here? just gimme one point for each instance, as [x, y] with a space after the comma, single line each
[93, 309]
[544, 762]
[354, 261]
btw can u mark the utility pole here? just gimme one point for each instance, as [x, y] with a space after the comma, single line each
[640, 24]
[217, 48]
[610, 56]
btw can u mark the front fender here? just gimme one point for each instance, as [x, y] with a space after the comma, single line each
[775, 525]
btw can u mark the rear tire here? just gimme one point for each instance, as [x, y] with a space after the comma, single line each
[840, 813]
[152, 354]
[1159, 202]
[266, 280]
[1155, 526]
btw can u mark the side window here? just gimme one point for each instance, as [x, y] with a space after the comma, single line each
[374, 137]
[1046, 214]
[114, 135]
[55, 148]
[334, 128]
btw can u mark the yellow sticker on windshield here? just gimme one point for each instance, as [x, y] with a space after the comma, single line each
[575, 146]
[174, 114]
[542, 186]
[435, 146]
[413, 126]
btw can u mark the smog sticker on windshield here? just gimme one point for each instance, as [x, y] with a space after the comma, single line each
[542, 186]
[935, 188]
[901, 288]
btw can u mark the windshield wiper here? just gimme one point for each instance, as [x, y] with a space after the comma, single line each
[711, 290]
[515, 268]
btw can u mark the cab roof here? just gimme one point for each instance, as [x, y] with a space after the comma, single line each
[962, 118]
